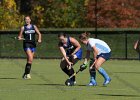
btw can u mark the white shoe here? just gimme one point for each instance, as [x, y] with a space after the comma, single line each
[92, 84]
[26, 76]
[74, 82]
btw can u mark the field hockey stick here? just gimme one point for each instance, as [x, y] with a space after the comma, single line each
[16, 38]
[91, 67]
[74, 74]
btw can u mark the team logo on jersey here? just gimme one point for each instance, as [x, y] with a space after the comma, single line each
[29, 31]
[71, 47]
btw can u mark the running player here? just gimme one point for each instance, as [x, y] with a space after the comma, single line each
[101, 53]
[27, 34]
[71, 51]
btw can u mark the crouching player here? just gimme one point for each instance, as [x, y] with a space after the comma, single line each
[71, 51]
[101, 52]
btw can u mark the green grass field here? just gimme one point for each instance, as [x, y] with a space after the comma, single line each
[47, 81]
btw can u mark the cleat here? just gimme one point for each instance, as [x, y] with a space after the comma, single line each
[107, 82]
[92, 84]
[26, 76]
[68, 82]
[74, 82]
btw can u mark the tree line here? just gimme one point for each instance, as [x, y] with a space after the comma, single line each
[71, 13]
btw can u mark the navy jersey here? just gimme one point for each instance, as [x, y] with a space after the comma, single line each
[69, 47]
[29, 33]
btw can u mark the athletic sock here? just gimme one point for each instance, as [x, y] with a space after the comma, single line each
[92, 79]
[65, 70]
[93, 73]
[103, 73]
[28, 68]
[71, 71]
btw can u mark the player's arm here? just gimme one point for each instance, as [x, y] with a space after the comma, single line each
[20, 34]
[137, 45]
[85, 64]
[76, 44]
[39, 34]
[95, 52]
[64, 55]
[87, 57]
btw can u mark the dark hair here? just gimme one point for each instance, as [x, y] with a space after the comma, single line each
[84, 36]
[62, 34]
[27, 16]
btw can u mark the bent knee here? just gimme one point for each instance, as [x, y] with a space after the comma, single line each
[63, 64]
[97, 65]
[30, 59]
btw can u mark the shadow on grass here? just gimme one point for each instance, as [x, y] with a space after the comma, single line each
[81, 85]
[56, 84]
[128, 72]
[49, 84]
[7, 78]
[121, 95]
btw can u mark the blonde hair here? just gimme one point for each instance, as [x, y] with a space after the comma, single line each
[84, 36]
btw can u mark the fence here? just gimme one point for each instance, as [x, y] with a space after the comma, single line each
[121, 42]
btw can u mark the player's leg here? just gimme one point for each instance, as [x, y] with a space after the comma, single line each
[30, 55]
[65, 69]
[98, 67]
[74, 61]
[92, 74]
[63, 66]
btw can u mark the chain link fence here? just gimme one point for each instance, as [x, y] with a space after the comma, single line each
[121, 42]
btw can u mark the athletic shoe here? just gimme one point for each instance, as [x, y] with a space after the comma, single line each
[107, 81]
[74, 82]
[92, 84]
[26, 76]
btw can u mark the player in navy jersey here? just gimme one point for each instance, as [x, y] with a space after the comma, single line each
[71, 51]
[27, 34]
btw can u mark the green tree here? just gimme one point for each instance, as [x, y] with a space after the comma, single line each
[9, 16]
[65, 13]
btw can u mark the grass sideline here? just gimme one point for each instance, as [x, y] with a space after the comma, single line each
[47, 81]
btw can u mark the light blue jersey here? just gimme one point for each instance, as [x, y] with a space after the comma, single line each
[101, 46]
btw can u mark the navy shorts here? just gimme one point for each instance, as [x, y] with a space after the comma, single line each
[106, 56]
[29, 46]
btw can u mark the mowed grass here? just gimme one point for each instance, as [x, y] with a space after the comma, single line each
[47, 81]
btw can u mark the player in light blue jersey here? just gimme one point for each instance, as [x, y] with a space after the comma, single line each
[101, 53]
